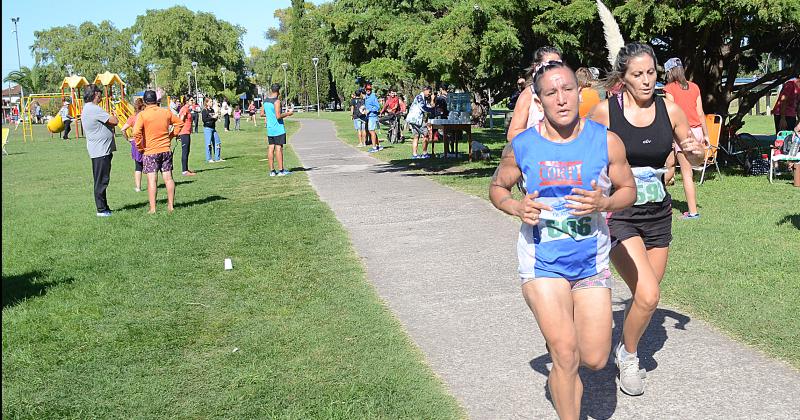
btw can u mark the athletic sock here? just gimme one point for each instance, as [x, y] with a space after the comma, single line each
[624, 355]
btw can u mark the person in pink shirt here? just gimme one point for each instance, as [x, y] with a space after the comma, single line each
[237, 115]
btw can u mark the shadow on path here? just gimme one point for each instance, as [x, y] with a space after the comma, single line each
[18, 287]
[600, 387]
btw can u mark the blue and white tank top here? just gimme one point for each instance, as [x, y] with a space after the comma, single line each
[563, 245]
[274, 125]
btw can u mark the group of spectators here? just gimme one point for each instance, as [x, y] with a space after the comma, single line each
[369, 111]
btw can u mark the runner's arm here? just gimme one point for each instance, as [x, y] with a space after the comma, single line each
[619, 171]
[519, 121]
[692, 148]
[503, 180]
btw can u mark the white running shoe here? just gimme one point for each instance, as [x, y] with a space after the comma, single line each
[631, 378]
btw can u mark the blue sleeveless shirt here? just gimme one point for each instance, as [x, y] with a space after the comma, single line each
[563, 245]
[274, 125]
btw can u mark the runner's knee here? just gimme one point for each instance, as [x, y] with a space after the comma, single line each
[647, 298]
[565, 355]
[595, 360]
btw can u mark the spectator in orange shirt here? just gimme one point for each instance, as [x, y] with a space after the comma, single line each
[589, 95]
[153, 137]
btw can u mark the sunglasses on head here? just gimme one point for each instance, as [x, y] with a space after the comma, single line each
[547, 65]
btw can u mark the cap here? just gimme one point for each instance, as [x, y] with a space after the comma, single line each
[672, 63]
[149, 97]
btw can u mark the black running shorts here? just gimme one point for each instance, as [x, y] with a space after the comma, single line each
[277, 140]
[651, 221]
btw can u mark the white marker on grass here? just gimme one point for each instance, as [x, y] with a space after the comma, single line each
[228, 264]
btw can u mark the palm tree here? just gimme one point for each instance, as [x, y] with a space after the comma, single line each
[27, 78]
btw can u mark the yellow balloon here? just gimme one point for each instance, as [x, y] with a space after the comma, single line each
[55, 125]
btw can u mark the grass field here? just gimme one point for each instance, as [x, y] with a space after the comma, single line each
[133, 316]
[736, 267]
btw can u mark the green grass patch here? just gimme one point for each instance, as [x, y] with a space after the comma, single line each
[736, 267]
[133, 316]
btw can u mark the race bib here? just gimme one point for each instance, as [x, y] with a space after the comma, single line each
[559, 224]
[649, 188]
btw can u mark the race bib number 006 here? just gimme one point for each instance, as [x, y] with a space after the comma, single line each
[559, 224]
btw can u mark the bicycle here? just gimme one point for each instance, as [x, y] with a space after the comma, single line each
[394, 134]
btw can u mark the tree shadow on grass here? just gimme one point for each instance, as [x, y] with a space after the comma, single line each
[179, 204]
[794, 219]
[600, 387]
[17, 288]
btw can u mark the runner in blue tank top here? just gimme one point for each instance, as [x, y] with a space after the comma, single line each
[276, 133]
[570, 166]
[641, 234]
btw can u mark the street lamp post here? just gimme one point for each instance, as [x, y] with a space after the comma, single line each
[19, 66]
[315, 60]
[196, 91]
[285, 82]
[224, 87]
[189, 83]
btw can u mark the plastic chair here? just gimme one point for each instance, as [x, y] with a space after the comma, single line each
[777, 156]
[714, 124]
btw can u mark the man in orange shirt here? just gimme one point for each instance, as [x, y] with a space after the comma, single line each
[153, 137]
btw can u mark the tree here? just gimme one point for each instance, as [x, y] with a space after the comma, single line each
[90, 49]
[30, 79]
[718, 41]
[171, 39]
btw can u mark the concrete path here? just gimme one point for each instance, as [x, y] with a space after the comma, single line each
[445, 263]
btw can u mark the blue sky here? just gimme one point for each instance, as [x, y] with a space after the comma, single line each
[35, 15]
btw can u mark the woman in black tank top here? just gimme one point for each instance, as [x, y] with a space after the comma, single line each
[641, 234]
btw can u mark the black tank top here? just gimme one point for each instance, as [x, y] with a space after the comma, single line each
[644, 146]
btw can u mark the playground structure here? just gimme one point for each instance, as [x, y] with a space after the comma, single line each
[74, 84]
[114, 103]
[111, 82]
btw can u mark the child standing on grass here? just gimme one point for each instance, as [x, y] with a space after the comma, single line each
[237, 115]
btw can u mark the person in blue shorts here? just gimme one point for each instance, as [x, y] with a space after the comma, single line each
[276, 133]
[373, 108]
[575, 171]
